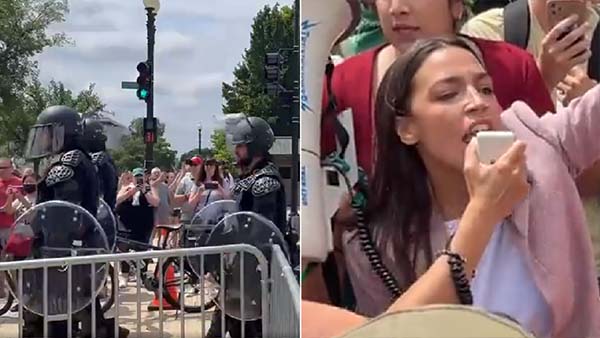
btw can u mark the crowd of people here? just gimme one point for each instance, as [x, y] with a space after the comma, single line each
[147, 199]
[83, 173]
[512, 237]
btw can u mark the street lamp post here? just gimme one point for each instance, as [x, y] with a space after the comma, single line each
[199, 138]
[152, 7]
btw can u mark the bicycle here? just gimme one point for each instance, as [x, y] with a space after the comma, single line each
[150, 280]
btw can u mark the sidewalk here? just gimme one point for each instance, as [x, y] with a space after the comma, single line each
[149, 324]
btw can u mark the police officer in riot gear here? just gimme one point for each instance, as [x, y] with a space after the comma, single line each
[260, 190]
[59, 132]
[95, 143]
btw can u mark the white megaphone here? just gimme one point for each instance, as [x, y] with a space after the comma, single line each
[324, 25]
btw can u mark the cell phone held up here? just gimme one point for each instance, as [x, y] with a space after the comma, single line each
[12, 189]
[211, 185]
[559, 10]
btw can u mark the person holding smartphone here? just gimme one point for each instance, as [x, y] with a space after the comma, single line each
[136, 202]
[209, 186]
[8, 182]
[561, 47]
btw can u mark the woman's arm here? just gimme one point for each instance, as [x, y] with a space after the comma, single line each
[152, 196]
[576, 129]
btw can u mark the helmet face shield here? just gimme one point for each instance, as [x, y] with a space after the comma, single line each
[45, 140]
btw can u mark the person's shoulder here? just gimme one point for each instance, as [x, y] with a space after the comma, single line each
[502, 51]
[359, 60]
[488, 25]
[265, 185]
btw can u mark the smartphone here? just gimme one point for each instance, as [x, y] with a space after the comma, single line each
[492, 144]
[559, 10]
[15, 188]
[211, 185]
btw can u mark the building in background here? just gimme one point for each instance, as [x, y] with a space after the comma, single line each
[114, 130]
[282, 157]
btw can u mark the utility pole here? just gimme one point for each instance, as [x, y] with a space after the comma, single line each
[295, 69]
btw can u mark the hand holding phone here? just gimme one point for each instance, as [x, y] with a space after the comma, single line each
[13, 189]
[565, 45]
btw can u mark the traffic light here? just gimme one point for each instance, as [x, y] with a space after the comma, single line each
[144, 81]
[273, 73]
[150, 128]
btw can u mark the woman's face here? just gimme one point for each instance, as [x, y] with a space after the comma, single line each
[452, 97]
[29, 180]
[405, 21]
[210, 170]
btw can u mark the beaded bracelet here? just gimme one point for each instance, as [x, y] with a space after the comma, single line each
[457, 270]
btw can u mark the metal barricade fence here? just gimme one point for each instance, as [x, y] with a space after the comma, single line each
[284, 305]
[282, 288]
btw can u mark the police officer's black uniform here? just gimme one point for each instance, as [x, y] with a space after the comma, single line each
[58, 131]
[259, 190]
[95, 143]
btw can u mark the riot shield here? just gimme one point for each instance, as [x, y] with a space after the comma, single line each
[202, 224]
[242, 228]
[51, 230]
[108, 222]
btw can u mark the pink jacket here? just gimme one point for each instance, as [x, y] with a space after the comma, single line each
[551, 219]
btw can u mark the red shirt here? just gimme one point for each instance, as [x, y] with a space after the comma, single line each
[7, 220]
[514, 74]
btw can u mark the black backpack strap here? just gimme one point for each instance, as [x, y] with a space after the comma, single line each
[594, 62]
[517, 23]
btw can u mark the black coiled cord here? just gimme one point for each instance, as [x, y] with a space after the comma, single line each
[368, 247]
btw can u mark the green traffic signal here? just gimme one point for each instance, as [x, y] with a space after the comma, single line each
[142, 94]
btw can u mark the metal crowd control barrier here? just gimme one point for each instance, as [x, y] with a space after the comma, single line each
[284, 306]
[280, 307]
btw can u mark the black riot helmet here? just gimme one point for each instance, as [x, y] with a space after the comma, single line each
[94, 139]
[255, 133]
[57, 129]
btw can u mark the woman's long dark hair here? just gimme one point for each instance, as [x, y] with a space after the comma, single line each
[202, 173]
[400, 201]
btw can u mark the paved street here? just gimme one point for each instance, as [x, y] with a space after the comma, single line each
[128, 318]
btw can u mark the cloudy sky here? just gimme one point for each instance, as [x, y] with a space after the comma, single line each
[198, 44]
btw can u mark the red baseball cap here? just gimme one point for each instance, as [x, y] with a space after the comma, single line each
[196, 160]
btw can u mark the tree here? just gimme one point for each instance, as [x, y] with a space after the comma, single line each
[23, 30]
[23, 34]
[15, 123]
[220, 150]
[131, 154]
[272, 29]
